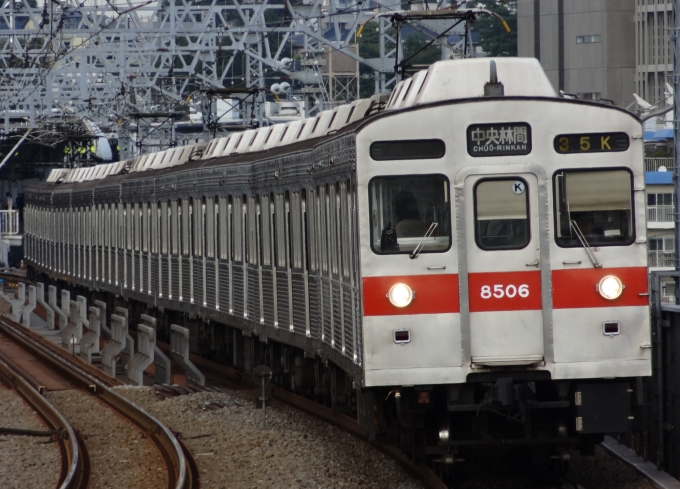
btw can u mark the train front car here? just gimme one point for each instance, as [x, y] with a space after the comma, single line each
[503, 260]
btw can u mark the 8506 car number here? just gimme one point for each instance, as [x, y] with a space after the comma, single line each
[500, 291]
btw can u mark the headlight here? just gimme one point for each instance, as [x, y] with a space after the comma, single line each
[400, 295]
[610, 287]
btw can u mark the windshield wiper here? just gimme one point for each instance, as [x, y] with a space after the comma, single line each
[584, 243]
[428, 233]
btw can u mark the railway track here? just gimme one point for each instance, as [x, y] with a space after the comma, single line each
[181, 469]
[75, 464]
[218, 374]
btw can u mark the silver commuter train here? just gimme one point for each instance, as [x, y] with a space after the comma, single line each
[459, 264]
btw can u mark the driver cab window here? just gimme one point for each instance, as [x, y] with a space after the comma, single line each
[407, 210]
[593, 206]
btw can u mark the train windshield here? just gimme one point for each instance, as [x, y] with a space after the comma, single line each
[502, 214]
[406, 211]
[597, 204]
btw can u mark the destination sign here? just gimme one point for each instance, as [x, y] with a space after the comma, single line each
[506, 139]
[599, 142]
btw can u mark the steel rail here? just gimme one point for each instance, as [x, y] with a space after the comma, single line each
[179, 476]
[75, 478]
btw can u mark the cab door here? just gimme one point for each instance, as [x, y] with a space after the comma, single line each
[502, 243]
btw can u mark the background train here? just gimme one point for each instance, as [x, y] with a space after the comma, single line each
[460, 264]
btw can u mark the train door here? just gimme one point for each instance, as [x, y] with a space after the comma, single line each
[502, 242]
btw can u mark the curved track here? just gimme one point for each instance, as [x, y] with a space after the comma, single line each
[75, 463]
[182, 473]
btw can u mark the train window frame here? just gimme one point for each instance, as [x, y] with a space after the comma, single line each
[528, 212]
[371, 209]
[632, 206]
[402, 155]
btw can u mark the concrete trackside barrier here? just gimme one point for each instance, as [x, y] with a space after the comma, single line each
[146, 342]
[90, 342]
[162, 364]
[73, 333]
[104, 328]
[129, 346]
[179, 348]
[119, 330]
[49, 312]
[52, 301]
[29, 308]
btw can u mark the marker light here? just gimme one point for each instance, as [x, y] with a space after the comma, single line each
[400, 295]
[610, 287]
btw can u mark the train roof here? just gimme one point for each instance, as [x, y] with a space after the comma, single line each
[442, 81]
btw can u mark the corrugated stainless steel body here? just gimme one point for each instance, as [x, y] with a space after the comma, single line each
[228, 240]
[279, 243]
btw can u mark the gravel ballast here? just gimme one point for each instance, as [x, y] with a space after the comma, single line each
[603, 471]
[295, 450]
[120, 455]
[26, 462]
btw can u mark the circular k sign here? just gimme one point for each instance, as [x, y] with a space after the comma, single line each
[518, 187]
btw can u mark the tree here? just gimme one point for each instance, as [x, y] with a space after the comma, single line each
[493, 38]
[416, 41]
[369, 47]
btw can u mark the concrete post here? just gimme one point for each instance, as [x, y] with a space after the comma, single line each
[73, 333]
[146, 343]
[162, 364]
[28, 309]
[52, 297]
[106, 331]
[18, 303]
[129, 350]
[115, 344]
[90, 342]
[179, 348]
[82, 310]
[49, 312]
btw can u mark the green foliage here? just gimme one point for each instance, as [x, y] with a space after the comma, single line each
[414, 43]
[369, 47]
[494, 40]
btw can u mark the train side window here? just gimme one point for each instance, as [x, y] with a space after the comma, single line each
[310, 229]
[251, 231]
[164, 227]
[336, 244]
[265, 230]
[305, 230]
[129, 216]
[408, 210]
[322, 226]
[281, 236]
[137, 226]
[237, 231]
[295, 223]
[596, 204]
[209, 227]
[501, 215]
[222, 242]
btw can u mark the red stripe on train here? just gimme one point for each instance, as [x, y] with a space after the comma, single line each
[505, 291]
[435, 294]
[576, 288]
